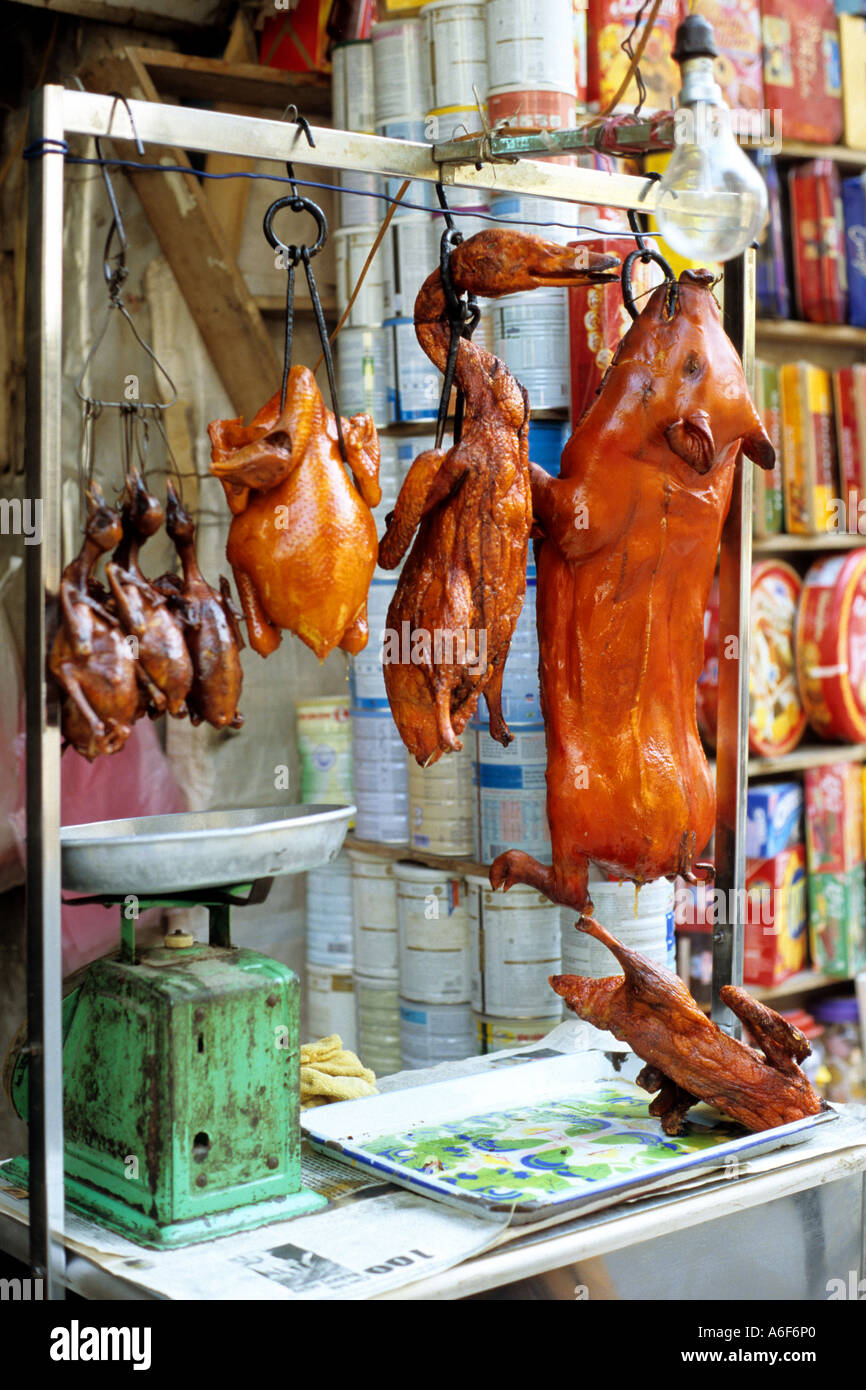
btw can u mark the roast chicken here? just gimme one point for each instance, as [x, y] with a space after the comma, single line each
[689, 1058]
[211, 627]
[302, 542]
[165, 669]
[461, 590]
[630, 533]
[91, 660]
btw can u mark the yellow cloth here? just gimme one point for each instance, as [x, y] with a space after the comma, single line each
[329, 1072]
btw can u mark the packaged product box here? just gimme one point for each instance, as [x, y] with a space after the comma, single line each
[739, 66]
[854, 205]
[849, 408]
[772, 295]
[775, 939]
[852, 50]
[817, 226]
[598, 319]
[837, 906]
[834, 817]
[610, 23]
[767, 489]
[802, 71]
[581, 39]
[831, 646]
[774, 818]
[777, 719]
[809, 470]
[296, 40]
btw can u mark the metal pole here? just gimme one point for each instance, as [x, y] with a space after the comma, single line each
[735, 570]
[43, 459]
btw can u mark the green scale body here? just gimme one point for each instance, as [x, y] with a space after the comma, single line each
[181, 1093]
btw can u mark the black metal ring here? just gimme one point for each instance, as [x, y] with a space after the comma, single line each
[297, 205]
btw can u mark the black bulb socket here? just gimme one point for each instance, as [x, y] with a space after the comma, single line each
[695, 39]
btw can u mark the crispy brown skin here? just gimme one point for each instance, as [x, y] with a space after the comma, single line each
[302, 543]
[630, 536]
[688, 1056]
[90, 660]
[465, 578]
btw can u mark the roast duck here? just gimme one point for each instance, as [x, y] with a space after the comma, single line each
[302, 542]
[688, 1057]
[462, 587]
[630, 533]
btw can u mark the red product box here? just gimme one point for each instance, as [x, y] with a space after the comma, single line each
[849, 401]
[296, 39]
[802, 68]
[818, 228]
[775, 942]
[739, 66]
[610, 23]
[598, 319]
[834, 818]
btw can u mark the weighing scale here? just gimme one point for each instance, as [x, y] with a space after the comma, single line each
[181, 1062]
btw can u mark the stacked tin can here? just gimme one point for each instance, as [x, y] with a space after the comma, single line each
[324, 750]
[330, 952]
[434, 966]
[642, 919]
[376, 956]
[515, 945]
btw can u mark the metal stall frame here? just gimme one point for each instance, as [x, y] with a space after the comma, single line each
[57, 114]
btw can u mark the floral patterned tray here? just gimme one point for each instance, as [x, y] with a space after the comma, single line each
[558, 1134]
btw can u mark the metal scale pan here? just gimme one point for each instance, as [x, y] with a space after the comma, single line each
[200, 849]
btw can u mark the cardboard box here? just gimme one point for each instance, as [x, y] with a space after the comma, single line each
[802, 70]
[772, 294]
[296, 39]
[834, 817]
[598, 319]
[774, 818]
[809, 470]
[854, 206]
[849, 408]
[739, 66]
[837, 906]
[852, 49]
[768, 511]
[817, 226]
[775, 936]
[610, 23]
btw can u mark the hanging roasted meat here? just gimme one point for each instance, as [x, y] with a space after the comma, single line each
[210, 625]
[462, 587]
[631, 531]
[90, 659]
[302, 543]
[164, 664]
[690, 1058]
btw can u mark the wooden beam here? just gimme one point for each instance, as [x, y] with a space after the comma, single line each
[229, 197]
[206, 80]
[196, 248]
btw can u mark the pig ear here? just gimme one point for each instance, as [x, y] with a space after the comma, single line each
[757, 446]
[692, 439]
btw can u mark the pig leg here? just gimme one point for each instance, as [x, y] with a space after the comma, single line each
[569, 887]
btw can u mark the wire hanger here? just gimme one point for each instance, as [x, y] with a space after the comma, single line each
[463, 316]
[646, 254]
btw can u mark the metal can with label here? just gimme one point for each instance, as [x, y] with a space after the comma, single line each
[330, 938]
[365, 372]
[532, 338]
[530, 42]
[515, 944]
[433, 935]
[374, 915]
[352, 86]
[457, 38]
[325, 750]
[443, 802]
[512, 793]
[401, 68]
[330, 1004]
[353, 246]
[377, 1007]
[434, 1033]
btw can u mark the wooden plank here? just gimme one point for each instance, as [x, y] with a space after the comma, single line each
[808, 756]
[205, 80]
[229, 197]
[197, 250]
[794, 331]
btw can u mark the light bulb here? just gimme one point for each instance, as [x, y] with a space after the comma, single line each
[712, 201]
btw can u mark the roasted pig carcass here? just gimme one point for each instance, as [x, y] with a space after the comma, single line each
[462, 587]
[90, 659]
[630, 534]
[688, 1057]
[302, 542]
[211, 627]
[164, 663]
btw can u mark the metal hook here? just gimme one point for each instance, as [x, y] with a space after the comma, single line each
[463, 316]
[646, 254]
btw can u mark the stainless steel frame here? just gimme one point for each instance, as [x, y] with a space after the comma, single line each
[55, 115]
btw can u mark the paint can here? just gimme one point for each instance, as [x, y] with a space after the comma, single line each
[355, 209]
[442, 802]
[547, 439]
[352, 247]
[415, 255]
[457, 39]
[353, 86]
[434, 1033]
[381, 778]
[512, 794]
[421, 193]
[532, 338]
[501, 1034]
[365, 372]
[530, 42]
[433, 935]
[525, 107]
[330, 937]
[417, 383]
[377, 1011]
[646, 929]
[401, 68]
[325, 750]
[366, 675]
[526, 212]
[515, 941]
[374, 915]
[330, 1004]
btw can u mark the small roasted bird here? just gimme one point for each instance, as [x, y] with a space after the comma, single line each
[630, 533]
[211, 627]
[462, 587]
[90, 659]
[690, 1058]
[165, 666]
[302, 542]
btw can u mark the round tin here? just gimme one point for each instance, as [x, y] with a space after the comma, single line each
[433, 935]
[417, 383]
[525, 107]
[352, 86]
[532, 338]
[434, 1033]
[352, 247]
[325, 750]
[501, 1034]
[415, 255]
[355, 209]
[530, 43]
[329, 915]
[512, 794]
[515, 945]
[457, 39]
[831, 647]
[380, 776]
[330, 1004]
[365, 372]
[442, 802]
[374, 906]
[366, 673]
[401, 68]
[377, 1008]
